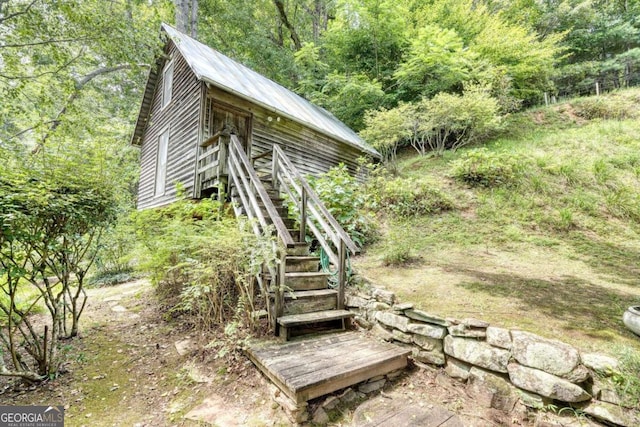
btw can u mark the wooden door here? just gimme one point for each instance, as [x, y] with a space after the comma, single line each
[219, 116]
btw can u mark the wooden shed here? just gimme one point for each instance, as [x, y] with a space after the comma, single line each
[195, 93]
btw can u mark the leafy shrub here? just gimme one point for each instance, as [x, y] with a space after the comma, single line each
[452, 121]
[51, 222]
[396, 254]
[203, 261]
[343, 196]
[386, 130]
[481, 168]
[114, 257]
[616, 106]
[405, 197]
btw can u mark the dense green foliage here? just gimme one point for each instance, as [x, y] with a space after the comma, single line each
[53, 211]
[343, 196]
[203, 262]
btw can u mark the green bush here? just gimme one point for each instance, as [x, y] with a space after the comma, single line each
[406, 197]
[342, 194]
[482, 168]
[616, 106]
[203, 262]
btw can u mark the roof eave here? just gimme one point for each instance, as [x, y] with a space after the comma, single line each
[369, 151]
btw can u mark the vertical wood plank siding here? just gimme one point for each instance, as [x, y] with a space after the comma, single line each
[311, 151]
[182, 116]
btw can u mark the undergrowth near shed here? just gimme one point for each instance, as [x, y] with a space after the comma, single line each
[203, 263]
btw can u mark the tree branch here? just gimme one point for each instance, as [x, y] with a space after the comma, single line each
[37, 76]
[22, 12]
[79, 85]
[285, 20]
[50, 41]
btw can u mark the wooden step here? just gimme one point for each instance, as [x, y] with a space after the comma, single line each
[309, 264]
[309, 368]
[299, 249]
[288, 222]
[317, 318]
[295, 233]
[306, 281]
[300, 302]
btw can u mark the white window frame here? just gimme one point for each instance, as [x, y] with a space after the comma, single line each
[161, 163]
[167, 84]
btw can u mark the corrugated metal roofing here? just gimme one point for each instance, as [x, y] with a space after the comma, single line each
[221, 71]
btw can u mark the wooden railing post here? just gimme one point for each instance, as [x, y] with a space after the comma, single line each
[279, 288]
[274, 169]
[303, 215]
[223, 156]
[342, 273]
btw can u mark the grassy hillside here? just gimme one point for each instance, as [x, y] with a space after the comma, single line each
[539, 228]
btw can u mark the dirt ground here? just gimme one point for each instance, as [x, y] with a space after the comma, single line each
[125, 370]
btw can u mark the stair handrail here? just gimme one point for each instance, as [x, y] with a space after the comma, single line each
[251, 191]
[284, 172]
[249, 187]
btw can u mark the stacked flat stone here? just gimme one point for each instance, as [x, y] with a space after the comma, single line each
[501, 366]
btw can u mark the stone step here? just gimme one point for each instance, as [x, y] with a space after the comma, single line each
[300, 302]
[309, 264]
[296, 321]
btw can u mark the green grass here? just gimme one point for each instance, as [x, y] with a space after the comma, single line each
[570, 192]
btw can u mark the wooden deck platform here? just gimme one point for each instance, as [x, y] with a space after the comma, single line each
[311, 367]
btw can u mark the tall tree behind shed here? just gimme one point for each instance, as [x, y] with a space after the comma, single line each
[187, 16]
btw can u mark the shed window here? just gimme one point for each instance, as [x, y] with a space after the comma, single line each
[167, 83]
[161, 164]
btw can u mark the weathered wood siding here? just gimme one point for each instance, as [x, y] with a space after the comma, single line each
[182, 116]
[311, 151]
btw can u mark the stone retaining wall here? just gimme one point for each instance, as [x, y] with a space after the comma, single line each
[500, 366]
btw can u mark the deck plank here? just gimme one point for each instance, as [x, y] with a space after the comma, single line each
[312, 367]
[330, 360]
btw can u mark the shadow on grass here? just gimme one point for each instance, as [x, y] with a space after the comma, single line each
[609, 258]
[583, 306]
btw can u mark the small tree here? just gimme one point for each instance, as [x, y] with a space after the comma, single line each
[451, 121]
[385, 130]
[49, 228]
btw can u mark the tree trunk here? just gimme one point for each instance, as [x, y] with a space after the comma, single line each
[194, 18]
[285, 20]
[182, 15]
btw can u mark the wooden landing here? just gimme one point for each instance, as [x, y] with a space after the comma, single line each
[311, 367]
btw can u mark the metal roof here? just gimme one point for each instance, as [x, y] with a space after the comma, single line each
[223, 72]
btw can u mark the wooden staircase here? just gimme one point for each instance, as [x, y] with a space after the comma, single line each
[300, 298]
[309, 304]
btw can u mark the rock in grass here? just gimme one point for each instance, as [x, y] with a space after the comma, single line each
[611, 413]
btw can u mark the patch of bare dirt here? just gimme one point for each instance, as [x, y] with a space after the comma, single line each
[126, 369]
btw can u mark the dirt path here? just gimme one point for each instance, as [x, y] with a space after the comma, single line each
[125, 370]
